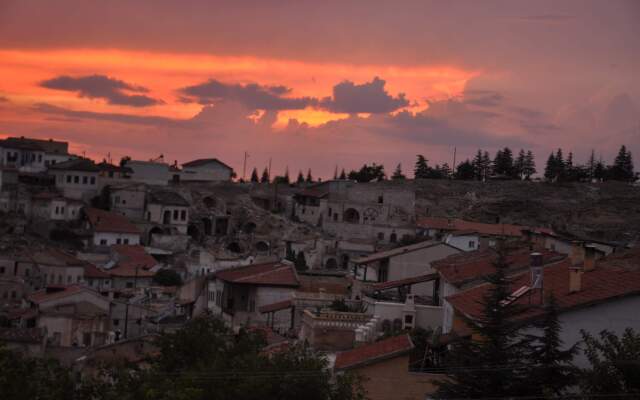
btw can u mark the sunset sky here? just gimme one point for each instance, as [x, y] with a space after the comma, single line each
[320, 84]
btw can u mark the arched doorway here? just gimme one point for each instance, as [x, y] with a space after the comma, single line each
[234, 247]
[331, 263]
[351, 215]
[262, 247]
[393, 238]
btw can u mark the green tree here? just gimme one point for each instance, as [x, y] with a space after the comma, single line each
[529, 167]
[167, 277]
[613, 364]
[421, 170]
[397, 174]
[495, 365]
[503, 162]
[301, 262]
[309, 177]
[465, 171]
[300, 178]
[265, 176]
[622, 168]
[254, 175]
[550, 171]
[552, 373]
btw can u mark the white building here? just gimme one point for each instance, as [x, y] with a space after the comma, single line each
[463, 240]
[110, 228]
[168, 208]
[52, 206]
[76, 179]
[32, 155]
[206, 169]
[149, 172]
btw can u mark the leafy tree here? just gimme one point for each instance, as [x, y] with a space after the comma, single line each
[368, 173]
[265, 176]
[167, 277]
[614, 364]
[397, 174]
[254, 175]
[124, 160]
[309, 177]
[552, 372]
[465, 171]
[301, 262]
[495, 365]
[421, 170]
[33, 378]
[622, 168]
[300, 178]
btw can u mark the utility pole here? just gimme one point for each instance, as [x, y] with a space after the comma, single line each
[244, 165]
[269, 172]
[453, 167]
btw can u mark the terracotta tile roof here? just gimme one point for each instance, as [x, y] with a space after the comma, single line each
[273, 307]
[105, 221]
[54, 293]
[374, 352]
[403, 282]
[132, 261]
[56, 258]
[91, 271]
[399, 251]
[48, 146]
[460, 269]
[167, 197]
[454, 224]
[268, 274]
[79, 164]
[614, 277]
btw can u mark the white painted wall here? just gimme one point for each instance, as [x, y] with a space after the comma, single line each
[111, 238]
[463, 242]
[209, 172]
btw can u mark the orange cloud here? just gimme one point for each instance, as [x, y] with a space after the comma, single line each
[163, 73]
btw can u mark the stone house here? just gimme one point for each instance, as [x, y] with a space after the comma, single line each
[76, 179]
[149, 172]
[32, 155]
[128, 200]
[169, 209]
[237, 294]
[109, 228]
[51, 206]
[130, 268]
[57, 267]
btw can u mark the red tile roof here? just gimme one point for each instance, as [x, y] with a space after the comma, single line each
[460, 269]
[57, 258]
[374, 352]
[132, 261]
[404, 282]
[55, 292]
[105, 221]
[614, 277]
[91, 271]
[454, 224]
[268, 274]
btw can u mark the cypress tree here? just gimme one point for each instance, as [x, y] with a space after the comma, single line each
[397, 174]
[622, 169]
[265, 176]
[309, 177]
[300, 178]
[343, 175]
[254, 175]
[421, 170]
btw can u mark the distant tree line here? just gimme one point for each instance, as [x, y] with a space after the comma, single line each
[504, 165]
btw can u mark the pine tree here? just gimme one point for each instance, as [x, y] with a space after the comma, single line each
[335, 173]
[300, 178]
[591, 165]
[519, 165]
[552, 373]
[486, 165]
[495, 365]
[465, 171]
[254, 175]
[301, 262]
[445, 170]
[265, 176]
[309, 177]
[503, 162]
[477, 164]
[560, 170]
[343, 175]
[285, 178]
[551, 168]
[529, 165]
[622, 169]
[421, 170]
[397, 174]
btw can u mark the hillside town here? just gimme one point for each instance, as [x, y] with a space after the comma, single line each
[99, 259]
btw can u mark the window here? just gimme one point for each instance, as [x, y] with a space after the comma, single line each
[126, 241]
[59, 279]
[380, 199]
[1, 270]
[78, 279]
[39, 157]
[93, 180]
[68, 278]
[408, 319]
[252, 305]
[68, 178]
[472, 244]
[118, 241]
[103, 242]
[175, 215]
[76, 179]
[117, 200]
[57, 210]
[62, 210]
[380, 235]
[183, 215]
[330, 211]
[116, 322]
[129, 285]
[85, 180]
[13, 294]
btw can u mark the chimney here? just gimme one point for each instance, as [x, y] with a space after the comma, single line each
[575, 278]
[589, 258]
[536, 270]
[577, 253]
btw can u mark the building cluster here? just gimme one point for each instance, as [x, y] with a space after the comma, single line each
[96, 259]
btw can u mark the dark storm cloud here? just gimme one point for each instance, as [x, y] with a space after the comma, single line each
[114, 91]
[252, 95]
[111, 117]
[370, 97]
